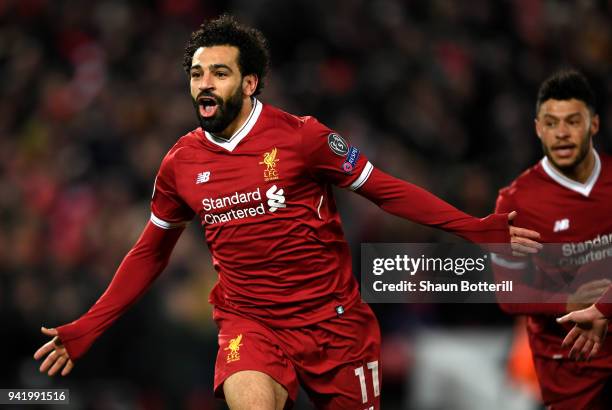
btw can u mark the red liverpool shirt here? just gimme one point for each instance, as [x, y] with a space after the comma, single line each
[265, 201]
[574, 216]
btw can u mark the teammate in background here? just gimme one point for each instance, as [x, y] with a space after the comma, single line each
[566, 197]
[259, 180]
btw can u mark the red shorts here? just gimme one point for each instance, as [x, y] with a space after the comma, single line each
[336, 361]
[570, 385]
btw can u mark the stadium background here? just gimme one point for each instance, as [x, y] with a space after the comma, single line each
[92, 94]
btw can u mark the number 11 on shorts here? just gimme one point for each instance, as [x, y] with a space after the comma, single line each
[359, 372]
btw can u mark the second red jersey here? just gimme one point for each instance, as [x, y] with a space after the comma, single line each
[576, 217]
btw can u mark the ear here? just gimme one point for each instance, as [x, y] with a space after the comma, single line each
[594, 124]
[538, 131]
[249, 84]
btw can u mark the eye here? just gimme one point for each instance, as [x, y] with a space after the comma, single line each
[195, 74]
[221, 74]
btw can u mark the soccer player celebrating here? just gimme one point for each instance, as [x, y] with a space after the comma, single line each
[259, 180]
[566, 197]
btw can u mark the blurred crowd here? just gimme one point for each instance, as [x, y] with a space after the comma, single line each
[92, 94]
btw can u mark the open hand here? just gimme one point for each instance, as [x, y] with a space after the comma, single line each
[57, 358]
[588, 334]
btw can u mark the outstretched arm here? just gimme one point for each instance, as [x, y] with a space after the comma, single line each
[141, 266]
[330, 158]
[416, 204]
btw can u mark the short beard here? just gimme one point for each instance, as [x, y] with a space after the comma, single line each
[582, 154]
[227, 112]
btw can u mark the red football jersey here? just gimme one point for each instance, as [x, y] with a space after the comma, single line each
[265, 201]
[572, 214]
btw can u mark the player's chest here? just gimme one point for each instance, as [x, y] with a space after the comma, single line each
[244, 179]
[568, 216]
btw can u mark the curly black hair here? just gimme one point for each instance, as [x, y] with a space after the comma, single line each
[253, 56]
[566, 84]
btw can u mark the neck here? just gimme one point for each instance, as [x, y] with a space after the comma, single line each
[228, 133]
[582, 171]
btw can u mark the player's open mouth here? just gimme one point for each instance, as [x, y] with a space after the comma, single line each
[564, 151]
[208, 106]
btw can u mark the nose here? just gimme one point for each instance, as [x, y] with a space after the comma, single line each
[206, 82]
[562, 130]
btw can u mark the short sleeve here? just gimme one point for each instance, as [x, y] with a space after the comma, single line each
[331, 158]
[168, 210]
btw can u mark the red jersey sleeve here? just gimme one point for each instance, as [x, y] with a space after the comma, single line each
[330, 157]
[168, 210]
[411, 202]
[518, 270]
[140, 267]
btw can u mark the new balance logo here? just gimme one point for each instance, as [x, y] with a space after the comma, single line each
[276, 198]
[203, 177]
[561, 225]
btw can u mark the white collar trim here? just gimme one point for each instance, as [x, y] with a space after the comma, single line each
[242, 132]
[583, 189]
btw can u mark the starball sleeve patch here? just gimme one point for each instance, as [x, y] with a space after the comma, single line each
[337, 144]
